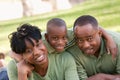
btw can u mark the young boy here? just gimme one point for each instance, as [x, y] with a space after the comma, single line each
[37, 64]
[56, 35]
[3, 71]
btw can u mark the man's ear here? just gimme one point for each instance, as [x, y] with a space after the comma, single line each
[46, 36]
[100, 32]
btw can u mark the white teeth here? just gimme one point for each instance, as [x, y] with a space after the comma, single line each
[40, 58]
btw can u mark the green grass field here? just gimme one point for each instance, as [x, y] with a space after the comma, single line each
[107, 12]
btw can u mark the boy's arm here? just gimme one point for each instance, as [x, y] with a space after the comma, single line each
[70, 68]
[81, 72]
[110, 44]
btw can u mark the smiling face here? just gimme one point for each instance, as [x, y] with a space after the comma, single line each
[88, 39]
[57, 37]
[27, 42]
[37, 54]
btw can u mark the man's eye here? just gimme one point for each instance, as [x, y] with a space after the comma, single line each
[90, 38]
[80, 40]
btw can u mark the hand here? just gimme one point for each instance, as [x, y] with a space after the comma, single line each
[110, 44]
[99, 76]
[111, 47]
[15, 56]
[24, 70]
[116, 79]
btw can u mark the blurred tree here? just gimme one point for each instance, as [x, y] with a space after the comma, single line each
[74, 2]
[27, 7]
[60, 4]
[54, 4]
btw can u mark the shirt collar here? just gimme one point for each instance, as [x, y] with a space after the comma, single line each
[49, 47]
[103, 49]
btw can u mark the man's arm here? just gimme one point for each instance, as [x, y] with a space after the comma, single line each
[102, 76]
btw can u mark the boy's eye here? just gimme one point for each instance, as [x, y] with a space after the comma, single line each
[55, 38]
[65, 38]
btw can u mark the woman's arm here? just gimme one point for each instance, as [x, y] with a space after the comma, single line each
[24, 70]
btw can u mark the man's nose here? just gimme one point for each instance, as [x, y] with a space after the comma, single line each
[86, 44]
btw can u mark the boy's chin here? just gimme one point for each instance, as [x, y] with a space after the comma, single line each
[60, 50]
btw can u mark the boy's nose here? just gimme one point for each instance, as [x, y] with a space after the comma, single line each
[60, 41]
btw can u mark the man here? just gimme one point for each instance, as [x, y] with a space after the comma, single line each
[92, 60]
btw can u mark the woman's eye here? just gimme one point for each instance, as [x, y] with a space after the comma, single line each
[39, 45]
[29, 51]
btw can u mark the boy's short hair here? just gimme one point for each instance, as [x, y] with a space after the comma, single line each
[56, 22]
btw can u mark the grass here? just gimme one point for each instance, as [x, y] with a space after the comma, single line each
[106, 12]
